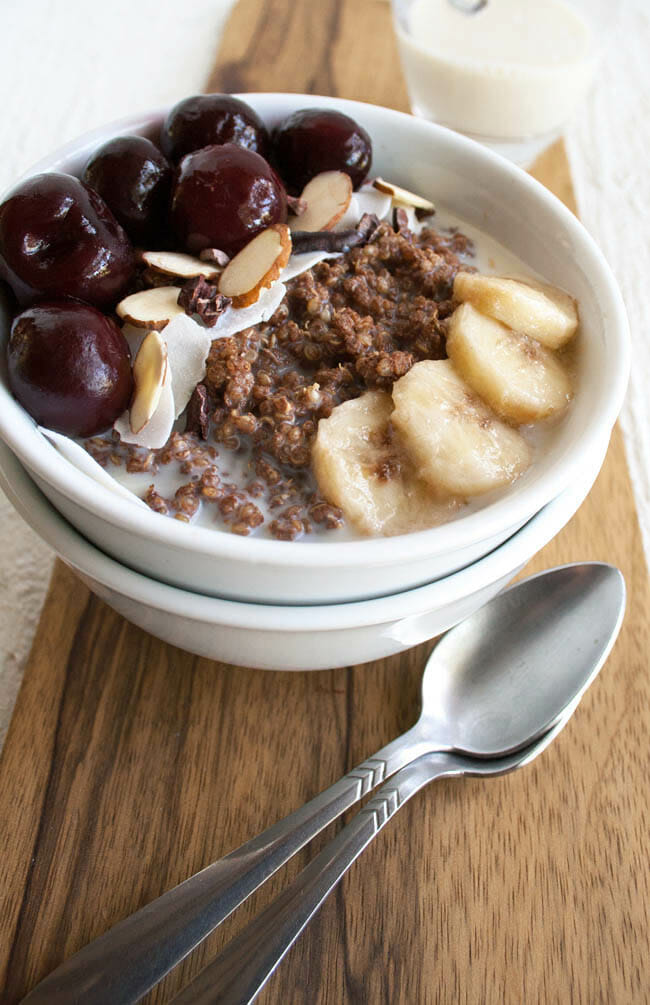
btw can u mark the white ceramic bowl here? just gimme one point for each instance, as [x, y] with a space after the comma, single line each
[476, 186]
[289, 637]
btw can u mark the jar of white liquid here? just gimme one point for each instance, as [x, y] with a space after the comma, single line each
[509, 75]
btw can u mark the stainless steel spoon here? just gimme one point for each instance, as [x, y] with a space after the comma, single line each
[494, 683]
[242, 968]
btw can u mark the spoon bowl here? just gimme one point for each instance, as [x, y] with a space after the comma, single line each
[488, 689]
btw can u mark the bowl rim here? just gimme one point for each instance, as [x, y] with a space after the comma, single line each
[87, 559]
[508, 511]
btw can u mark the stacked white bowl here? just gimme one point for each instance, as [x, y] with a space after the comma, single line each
[288, 637]
[309, 604]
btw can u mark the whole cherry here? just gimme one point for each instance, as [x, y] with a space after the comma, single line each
[69, 367]
[135, 181]
[223, 197]
[317, 139]
[58, 238]
[212, 118]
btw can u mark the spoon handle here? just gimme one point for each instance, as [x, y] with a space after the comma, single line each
[245, 964]
[119, 967]
[240, 971]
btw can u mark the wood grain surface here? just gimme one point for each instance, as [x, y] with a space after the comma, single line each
[130, 764]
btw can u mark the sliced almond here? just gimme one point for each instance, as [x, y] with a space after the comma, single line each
[157, 431]
[256, 266]
[150, 308]
[402, 196]
[149, 371]
[327, 196]
[176, 263]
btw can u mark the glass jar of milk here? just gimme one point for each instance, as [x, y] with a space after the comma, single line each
[509, 75]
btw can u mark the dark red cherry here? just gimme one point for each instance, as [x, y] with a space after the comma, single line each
[223, 196]
[212, 118]
[316, 139]
[69, 367]
[58, 238]
[135, 181]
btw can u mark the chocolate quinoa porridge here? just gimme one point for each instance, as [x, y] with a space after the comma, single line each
[348, 325]
[249, 330]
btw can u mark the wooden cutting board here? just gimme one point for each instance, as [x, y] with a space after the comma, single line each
[130, 764]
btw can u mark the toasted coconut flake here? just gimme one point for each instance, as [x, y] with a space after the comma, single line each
[237, 319]
[81, 459]
[402, 196]
[151, 309]
[256, 266]
[300, 263]
[366, 201]
[176, 263]
[149, 371]
[328, 196]
[188, 344]
[370, 200]
[349, 219]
